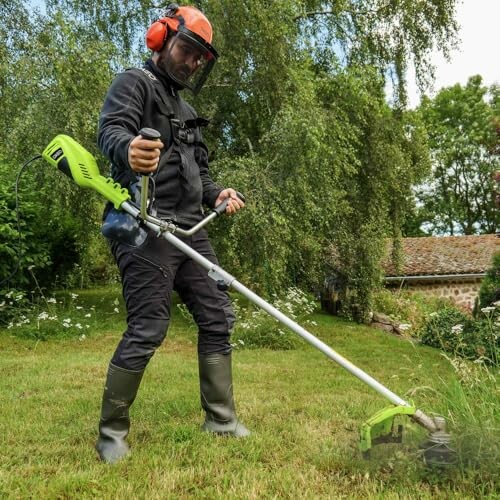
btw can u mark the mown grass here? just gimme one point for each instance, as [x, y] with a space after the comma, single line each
[304, 412]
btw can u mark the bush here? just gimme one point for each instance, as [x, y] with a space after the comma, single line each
[28, 249]
[13, 304]
[411, 308]
[490, 286]
[453, 331]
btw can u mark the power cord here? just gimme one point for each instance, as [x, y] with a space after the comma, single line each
[18, 220]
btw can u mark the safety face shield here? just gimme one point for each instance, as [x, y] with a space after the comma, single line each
[189, 60]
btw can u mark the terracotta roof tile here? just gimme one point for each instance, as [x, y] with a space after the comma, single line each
[444, 255]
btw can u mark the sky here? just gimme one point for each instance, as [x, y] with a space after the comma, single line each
[478, 52]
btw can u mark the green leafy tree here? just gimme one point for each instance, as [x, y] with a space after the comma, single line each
[299, 119]
[459, 196]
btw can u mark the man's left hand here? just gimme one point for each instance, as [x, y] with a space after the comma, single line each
[234, 202]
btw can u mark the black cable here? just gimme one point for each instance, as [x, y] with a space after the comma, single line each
[18, 219]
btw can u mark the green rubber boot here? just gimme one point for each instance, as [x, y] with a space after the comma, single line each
[119, 394]
[216, 390]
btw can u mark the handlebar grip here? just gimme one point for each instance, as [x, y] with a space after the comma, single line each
[150, 134]
[221, 207]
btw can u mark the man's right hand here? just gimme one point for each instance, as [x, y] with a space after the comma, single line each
[144, 155]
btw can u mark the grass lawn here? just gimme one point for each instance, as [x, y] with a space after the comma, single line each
[304, 411]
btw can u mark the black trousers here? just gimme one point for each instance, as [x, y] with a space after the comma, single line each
[149, 275]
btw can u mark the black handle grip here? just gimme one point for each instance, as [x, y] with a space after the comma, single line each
[221, 207]
[150, 134]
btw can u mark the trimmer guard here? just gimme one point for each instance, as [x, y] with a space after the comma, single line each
[381, 428]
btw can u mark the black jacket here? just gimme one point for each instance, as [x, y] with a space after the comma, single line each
[145, 98]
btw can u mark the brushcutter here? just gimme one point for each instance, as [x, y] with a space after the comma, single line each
[78, 164]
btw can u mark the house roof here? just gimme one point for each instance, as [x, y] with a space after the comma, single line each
[444, 255]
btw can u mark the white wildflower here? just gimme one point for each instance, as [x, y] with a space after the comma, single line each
[486, 310]
[79, 307]
[43, 315]
[82, 337]
[116, 310]
[10, 325]
[31, 267]
[19, 297]
[497, 303]
[404, 326]
[88, 315]
[457, 329]
[2, 304]
[9, 295]
[241, 342]
[433, 314]
[52, 300]
[74, 296]
[79, 326]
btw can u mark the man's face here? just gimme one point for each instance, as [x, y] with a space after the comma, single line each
[186, 61]
[180, 58]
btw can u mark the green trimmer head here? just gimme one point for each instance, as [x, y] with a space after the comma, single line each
[382, 428]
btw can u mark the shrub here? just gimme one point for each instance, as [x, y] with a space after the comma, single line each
[490, 286]
[409, 308]
[453, 331]
[13, 304]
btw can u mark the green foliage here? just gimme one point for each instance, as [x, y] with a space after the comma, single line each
[409, 308]
[462, 123]
[255, 328]
[14, 306]
[455, 332]
[490, 286]
[299, 123]
[62, 315]
[28, 249]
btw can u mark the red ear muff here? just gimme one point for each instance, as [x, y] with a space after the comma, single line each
[156, 35]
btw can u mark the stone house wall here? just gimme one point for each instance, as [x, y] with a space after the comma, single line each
[462, 292]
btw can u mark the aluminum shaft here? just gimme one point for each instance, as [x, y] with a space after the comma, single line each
[220, 275]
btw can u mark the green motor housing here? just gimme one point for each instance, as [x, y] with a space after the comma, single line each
[381, 428]
[77, 163]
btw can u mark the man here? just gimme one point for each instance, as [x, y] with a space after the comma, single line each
[148, 97]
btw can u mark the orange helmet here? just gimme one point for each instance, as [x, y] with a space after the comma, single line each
[192, 33]
[190, 17]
